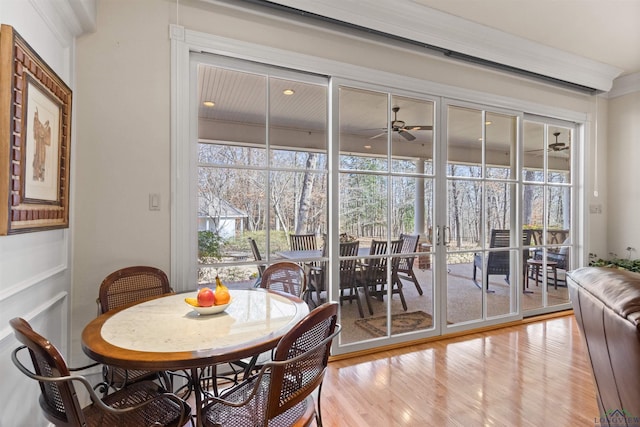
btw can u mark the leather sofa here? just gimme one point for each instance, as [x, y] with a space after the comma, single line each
[606, 303]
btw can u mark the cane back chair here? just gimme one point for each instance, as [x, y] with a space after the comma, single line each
[140, 404]
[126, 286]
[280, 395]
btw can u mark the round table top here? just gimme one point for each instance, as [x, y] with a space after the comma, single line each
[166, 333]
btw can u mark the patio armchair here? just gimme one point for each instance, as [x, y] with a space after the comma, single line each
[560, 256]
[499, 262]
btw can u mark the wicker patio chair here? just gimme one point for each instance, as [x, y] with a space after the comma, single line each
[126, 286]
[499, 262]
[140, 404]
[281, 393]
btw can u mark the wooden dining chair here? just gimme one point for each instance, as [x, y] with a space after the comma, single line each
[405, 264]
[143, 403]
[373, 275]
[281, 393]
[126, 286]
[303, 242]
[256, 256]
[349, 274]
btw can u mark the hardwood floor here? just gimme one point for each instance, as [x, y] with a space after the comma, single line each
[535, 374]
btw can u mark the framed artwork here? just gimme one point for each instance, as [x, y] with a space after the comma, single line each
[35, 136]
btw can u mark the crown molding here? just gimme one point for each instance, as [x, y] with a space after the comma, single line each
[625, 85]
[412, 21]
[67, 19]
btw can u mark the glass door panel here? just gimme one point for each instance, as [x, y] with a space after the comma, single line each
[484, 255]
[386, 203]
[546, 212]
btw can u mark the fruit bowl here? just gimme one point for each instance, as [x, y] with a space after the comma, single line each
[214, 309]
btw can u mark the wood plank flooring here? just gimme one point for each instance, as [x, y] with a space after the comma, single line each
[535, 374]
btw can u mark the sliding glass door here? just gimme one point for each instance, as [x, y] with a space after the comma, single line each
[385, 203]
[478, 227]
[429, 215]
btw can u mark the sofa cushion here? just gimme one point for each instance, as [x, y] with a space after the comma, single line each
[617, 289]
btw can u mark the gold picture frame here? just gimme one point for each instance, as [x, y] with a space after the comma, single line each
[35, 137]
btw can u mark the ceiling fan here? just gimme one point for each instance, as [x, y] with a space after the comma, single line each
[554, 146]
[402, 128]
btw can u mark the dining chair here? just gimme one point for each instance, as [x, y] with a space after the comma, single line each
[405, 264]
[303, 242]
[373, 273]
[287, 277]
[281, 393]
[349, 274]
[139, 404]
[125, 286]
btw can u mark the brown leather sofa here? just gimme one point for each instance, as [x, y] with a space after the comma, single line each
[606, 303]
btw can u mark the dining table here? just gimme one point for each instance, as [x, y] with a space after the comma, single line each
[296, 255]
[165, 333]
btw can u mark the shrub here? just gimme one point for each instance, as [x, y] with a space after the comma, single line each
[623, 264]
[209, 244]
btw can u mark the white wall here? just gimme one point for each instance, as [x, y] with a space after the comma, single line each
[623, 158]
[35, 273]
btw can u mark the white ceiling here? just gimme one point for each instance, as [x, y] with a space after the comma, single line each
[588, 43]
[606, 31]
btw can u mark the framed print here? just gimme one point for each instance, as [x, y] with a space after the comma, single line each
[35, 124]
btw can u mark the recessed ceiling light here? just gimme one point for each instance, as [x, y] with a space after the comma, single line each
[208, 103]
[368, 147]
[288, 92]
[488, 122]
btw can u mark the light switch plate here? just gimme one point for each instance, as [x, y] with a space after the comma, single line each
[154, 201]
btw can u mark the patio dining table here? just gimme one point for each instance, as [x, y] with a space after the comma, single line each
[165, 333]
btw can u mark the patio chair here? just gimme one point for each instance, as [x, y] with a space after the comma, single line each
[405, 264]
[140, 404]
[281, 393]
[349, 274]
[499, 262]
[559, 256]
[125, 286]
[373, 273]
[257, 257]
[303, 242]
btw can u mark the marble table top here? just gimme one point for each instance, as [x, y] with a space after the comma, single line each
[167, 332]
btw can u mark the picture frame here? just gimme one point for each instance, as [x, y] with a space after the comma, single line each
[35, 138]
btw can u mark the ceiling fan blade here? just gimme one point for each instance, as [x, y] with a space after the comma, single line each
[378, 135]
[406, 135]
[419, 127]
